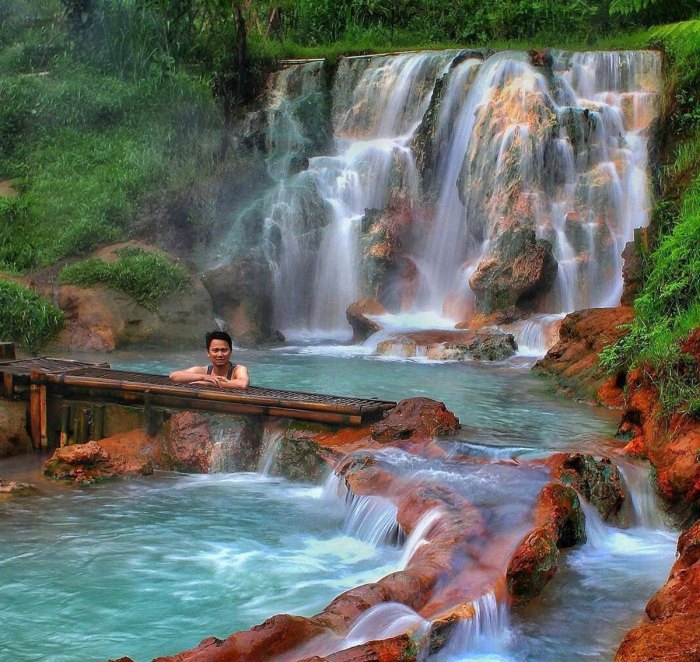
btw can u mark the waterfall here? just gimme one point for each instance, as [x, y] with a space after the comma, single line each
[373, 519]
[642, 501]
[271, 441]
[384, 621]
[419, 535]
[434, 166]
[313, 218]
[486, 633]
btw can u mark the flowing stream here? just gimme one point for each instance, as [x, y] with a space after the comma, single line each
[151, 566]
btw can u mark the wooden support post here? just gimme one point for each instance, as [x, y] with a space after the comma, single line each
[65, 424]
[77, 431]
[8, 386]
[7, 351]
[43, 417]
[35, 409]
[98, 422]
[84, 425]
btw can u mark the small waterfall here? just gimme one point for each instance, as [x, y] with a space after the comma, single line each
[373, 519]
[384, 621]
[271, 441]
[487, 632]
[419, 535]
[536, 335]
[642, 502]
[597, 531]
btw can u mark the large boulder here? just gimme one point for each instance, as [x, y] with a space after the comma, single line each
[532, 565]
[559, 511]
[521, 269]
[389, 274]
[416, 419]
[98, 318]
[241, 294]
[209, 443]
[102, 319]
[559, 522]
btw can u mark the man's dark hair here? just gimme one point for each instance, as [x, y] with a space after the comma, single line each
[218, 335]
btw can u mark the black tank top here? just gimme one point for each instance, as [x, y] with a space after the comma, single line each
[229, 374]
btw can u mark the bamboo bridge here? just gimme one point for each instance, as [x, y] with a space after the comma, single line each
[72, 401]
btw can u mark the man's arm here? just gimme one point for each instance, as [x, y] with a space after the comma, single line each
[198, 375]
[240, 378]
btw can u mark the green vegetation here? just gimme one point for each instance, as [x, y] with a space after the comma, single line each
[147, 276]
[668, 307]
[27, 318]
[88, 132]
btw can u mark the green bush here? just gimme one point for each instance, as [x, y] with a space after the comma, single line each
[25, 317]
[147, 276]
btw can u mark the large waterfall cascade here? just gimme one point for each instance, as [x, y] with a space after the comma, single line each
[435, 161]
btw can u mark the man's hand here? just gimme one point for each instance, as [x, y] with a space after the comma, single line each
[212, 380]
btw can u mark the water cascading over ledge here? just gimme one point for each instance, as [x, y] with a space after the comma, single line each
[456, 184]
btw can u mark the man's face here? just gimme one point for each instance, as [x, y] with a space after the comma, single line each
[219, 352]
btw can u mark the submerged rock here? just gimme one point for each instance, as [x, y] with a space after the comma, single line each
[9, 488]
[483, 344]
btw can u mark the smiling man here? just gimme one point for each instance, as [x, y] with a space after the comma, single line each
[221, 373]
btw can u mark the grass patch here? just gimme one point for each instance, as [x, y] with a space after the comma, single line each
[147, 276]
[26, 318]
[85, 148]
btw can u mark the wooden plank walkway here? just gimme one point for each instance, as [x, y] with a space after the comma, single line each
[77, 380]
